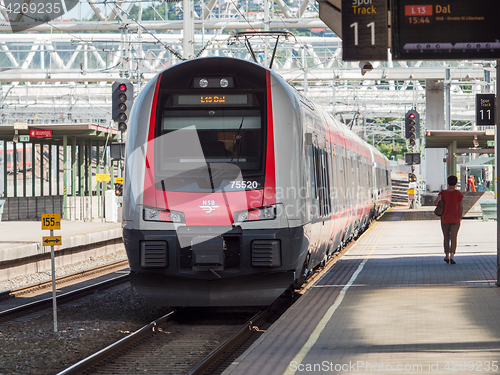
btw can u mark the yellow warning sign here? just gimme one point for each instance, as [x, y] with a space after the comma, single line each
[119, 180]
[51, 221]
[51, 240]
[102, 177]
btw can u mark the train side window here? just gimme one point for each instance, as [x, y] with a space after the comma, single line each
[326, 186]
[319, 179]
[332, 179]
[314, 174]
[358, 170]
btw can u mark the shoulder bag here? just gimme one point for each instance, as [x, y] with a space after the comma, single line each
[439, 208]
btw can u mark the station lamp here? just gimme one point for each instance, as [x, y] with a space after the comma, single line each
[122, 100]
[412, 126]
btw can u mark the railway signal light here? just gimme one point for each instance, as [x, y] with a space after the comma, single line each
[118, 189]
[122, 100]
[412, 177]
[412, 158]
[412, 126]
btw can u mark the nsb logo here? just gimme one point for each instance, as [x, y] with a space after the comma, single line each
[208, 206]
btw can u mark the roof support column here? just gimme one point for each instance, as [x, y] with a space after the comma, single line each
[81, 160]
[434, 120]
[65, 176]
[98, 170]
[105, 184]
[58, 174]
[14, 166]
[89, 159]
[41, 170]
[24, 169]
[5, 168]
[497, 164]
[451, 166]
[73, 175]
[50, 169]
[112, 172]
[188, 29]
[33, 171]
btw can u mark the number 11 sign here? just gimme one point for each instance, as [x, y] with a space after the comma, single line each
[364, 30]
[485, 109]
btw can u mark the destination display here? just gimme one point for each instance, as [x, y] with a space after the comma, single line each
[212, 99]
[445, 30]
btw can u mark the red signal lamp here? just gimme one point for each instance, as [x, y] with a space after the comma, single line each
[412, 115]
[122, 87]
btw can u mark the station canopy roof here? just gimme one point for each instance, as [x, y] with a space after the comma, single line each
[472, 140]
[80, 131]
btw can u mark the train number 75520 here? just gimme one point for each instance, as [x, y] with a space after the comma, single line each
[244, 184]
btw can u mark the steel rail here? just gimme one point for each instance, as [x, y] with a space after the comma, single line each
[60, 280]
[110, 350]
[224, 350]
[217, 354]
[65, 297]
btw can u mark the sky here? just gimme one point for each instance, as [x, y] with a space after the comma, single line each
[86, 12]
[82, 8]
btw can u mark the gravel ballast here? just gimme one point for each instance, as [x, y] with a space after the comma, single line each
[30, 346]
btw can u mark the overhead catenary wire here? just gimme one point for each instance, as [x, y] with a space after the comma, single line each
[90, 43]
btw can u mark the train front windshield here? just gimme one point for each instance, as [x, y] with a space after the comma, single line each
[207, 142]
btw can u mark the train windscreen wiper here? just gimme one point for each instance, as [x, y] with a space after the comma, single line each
[237, 142]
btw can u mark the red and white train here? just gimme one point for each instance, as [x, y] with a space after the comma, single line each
[236, 186]
[18, 157]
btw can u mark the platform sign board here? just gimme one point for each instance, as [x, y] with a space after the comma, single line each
[20, 126]
[51, 221]
[102, 177]
[445, 30]
[364, 30]
[51, 240]
[40, 133]
[485, 109]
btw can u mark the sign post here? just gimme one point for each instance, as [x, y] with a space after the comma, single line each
[51, 222]
[497, 164]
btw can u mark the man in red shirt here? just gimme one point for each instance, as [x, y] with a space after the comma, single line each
[451, 217]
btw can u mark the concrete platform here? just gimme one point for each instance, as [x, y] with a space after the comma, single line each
[21, 249]
[392, 305]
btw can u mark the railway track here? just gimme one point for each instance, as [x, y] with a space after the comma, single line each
[43, 303]
[172, 344]
[232, 348]
[167, 344]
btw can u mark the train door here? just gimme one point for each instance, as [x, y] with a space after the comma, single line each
[2, 153]
[326, 228]
[342, 190]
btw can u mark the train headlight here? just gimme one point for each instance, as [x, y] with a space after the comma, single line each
[223, 83]
[166, 216]
[203, 83]
[262, 213]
